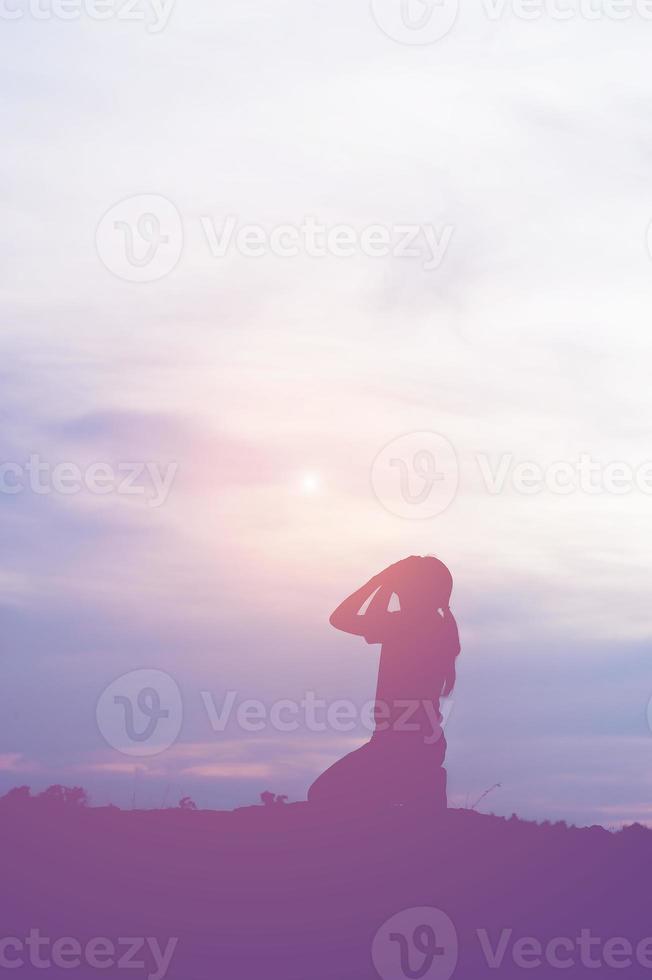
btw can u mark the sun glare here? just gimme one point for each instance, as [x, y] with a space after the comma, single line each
[310, 483]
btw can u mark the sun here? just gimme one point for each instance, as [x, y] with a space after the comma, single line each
[310, 483]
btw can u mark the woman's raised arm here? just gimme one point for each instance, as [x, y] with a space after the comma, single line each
[347, 615]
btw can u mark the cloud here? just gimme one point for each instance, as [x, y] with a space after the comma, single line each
[532, 339]
[247, 770]
[15, 762]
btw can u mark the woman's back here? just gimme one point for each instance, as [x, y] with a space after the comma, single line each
[417, 661]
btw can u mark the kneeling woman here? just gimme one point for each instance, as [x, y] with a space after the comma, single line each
[403, 761]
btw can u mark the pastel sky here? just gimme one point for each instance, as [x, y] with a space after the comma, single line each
[273, 382]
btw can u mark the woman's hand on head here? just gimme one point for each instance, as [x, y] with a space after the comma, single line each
[394, 571]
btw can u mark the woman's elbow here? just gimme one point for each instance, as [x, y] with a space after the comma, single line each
[346, 624]
[337, 620]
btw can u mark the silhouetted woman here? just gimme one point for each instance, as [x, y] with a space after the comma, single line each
[403, 762]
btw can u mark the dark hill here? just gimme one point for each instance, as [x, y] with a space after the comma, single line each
[287, 892]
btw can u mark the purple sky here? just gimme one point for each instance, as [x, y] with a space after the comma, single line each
[267, 386]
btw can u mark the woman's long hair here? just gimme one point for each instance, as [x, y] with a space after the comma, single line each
[424, 588]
